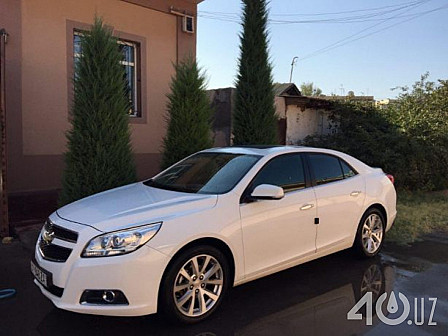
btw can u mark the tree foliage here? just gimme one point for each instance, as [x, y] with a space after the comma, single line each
[254, 119]
[99, 155]
[422, 111]
[308, 89]
[189, 114]
[421, 114]
[409, 139]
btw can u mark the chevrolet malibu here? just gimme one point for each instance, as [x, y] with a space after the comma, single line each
[217, 219]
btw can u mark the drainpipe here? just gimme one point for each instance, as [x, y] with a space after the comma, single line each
[4, 221]
[177, 14]
[181, 15]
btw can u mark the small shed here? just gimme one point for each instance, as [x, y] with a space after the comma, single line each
[298, 116]
[303, 115]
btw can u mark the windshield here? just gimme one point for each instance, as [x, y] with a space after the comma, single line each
[205, 173]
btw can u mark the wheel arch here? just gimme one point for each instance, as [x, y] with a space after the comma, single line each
[205, 241]
[379, 207]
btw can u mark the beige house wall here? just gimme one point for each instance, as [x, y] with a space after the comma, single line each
[38, 79]
[301, 123]
[44, 57]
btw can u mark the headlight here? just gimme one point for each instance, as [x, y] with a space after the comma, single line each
[120, 242]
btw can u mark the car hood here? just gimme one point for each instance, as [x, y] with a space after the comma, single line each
[133, 205]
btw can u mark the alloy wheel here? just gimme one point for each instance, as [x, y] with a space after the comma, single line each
[198, 285]
[372, 233]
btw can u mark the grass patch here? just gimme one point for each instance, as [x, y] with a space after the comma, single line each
[419, 214]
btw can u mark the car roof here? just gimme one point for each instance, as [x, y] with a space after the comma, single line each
[271, 151]
[262, 150]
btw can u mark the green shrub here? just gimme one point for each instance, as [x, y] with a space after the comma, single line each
[99, 155]
[189, 114]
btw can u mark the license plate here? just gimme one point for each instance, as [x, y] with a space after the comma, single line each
[43, 276]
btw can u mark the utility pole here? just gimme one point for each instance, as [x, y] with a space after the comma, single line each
[4, 220]
[294, 60]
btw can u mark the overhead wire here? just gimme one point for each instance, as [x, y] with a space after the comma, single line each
[348, 39]
[377, 14]
[322, 13]
[372, 16]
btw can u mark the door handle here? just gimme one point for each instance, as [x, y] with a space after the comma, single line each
[355, 193]
[306, 206]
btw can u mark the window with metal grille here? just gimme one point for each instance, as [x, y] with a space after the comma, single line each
[130, 51]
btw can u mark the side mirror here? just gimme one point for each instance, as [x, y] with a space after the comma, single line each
[267, 192]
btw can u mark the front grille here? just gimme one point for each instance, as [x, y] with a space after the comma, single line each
[60, 232]
[53, 252]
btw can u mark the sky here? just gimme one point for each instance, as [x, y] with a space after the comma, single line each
[406, 39]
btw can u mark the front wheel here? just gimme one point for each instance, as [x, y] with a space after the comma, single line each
[370, 235]
[195, 284]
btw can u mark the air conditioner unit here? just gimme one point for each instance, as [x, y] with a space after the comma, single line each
[188, 24]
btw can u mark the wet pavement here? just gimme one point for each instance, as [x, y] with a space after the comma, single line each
[311, 299]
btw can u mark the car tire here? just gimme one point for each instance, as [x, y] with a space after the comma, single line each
[205, 288]
[370, 234]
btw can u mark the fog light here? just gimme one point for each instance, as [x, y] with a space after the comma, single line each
[109, 296]
[103, 297]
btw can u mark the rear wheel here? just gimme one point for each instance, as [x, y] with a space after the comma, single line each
[370, 235]
[195, 284]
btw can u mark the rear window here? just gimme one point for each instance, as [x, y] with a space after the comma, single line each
[326, 168]
[347, 170]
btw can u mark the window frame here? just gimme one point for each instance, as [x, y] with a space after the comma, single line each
[245, 197]
[311, 171]
[141, 69]
[136, 99]
[137, 74]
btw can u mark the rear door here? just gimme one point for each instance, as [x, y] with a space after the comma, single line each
[278, 231]
[340, 194]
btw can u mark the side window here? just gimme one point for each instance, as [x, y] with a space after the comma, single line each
[285, 171]
[346, 169]
[326, 168]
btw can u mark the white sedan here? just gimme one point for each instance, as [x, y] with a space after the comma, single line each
[217, 219]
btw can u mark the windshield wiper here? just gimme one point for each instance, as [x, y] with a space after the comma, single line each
[152, 183]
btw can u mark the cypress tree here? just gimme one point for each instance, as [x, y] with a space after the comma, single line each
[189, 114]
[99, 154]
[254, 120]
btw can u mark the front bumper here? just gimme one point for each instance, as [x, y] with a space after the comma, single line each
[137, 275]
